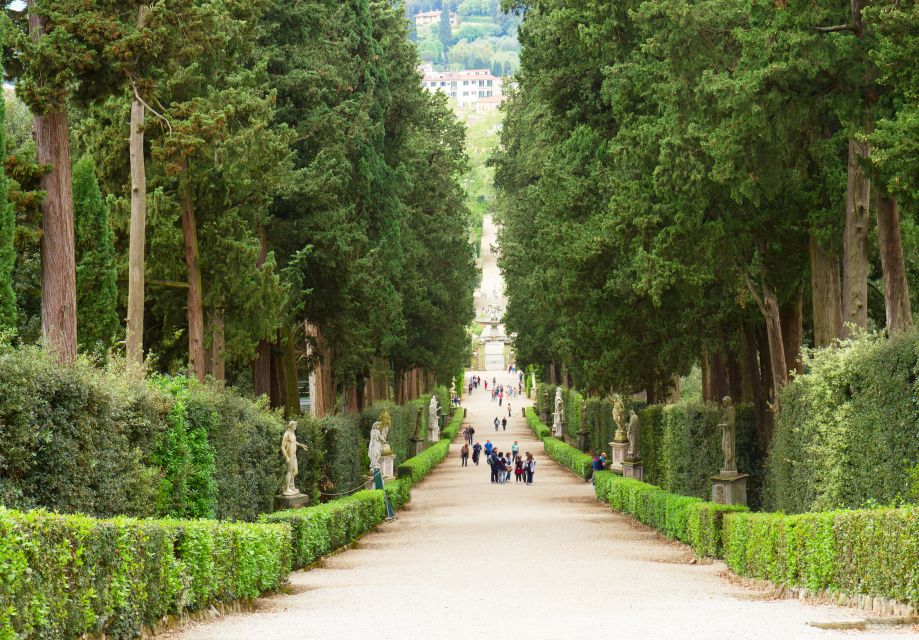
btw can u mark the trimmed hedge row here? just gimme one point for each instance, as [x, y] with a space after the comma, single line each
[873, 552]
[538, 426]
[453, 427]
[66, 575]
[570, 457]
[684, 518]
[320, 530]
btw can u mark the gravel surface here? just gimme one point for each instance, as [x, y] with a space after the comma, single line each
[468, 559]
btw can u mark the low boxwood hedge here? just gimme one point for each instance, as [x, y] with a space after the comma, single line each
[62, 576]
[873, 552]
[570, 457]
[416, 468]
[690, 520]
[452, 429]
[320, 530]
[538, 426]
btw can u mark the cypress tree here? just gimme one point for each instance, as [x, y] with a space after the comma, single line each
[97, 290]
[7, 236]
[445, 31]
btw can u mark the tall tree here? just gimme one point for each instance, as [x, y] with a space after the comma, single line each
[7, 240]
[97, 288]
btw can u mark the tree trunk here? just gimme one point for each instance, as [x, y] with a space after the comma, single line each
[134, 342]
[777, 362]
[719, 382]
[218, 360]
[261, 369]
[792, 317]
[196, 356]
[855, 277]
[896, 288]
[705, 364]
[826, 296]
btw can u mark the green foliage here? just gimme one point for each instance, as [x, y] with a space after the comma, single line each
[687, 519]
[97, 287]
[848, 430]
[539, 428]
[69, 575]
[416, 468]
[7, 238]
[343, 444]
[870, 552]
[320, 530]
[451, 431]
[569, 457]
[681, 448]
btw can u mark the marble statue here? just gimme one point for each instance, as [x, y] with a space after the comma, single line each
[728, 435]
[559, 403]
[289, 447]
[558, 419]
[433, 420]
[533, 382]
[634, 437]
[619, 418]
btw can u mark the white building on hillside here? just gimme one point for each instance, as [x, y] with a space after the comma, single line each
[433, 17]
[467, 88]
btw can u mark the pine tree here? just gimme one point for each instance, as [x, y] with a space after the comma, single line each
[97, 290]
[445, 31]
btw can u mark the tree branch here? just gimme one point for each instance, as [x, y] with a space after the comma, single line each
[168, 283]
[148, 107]
[836, 28]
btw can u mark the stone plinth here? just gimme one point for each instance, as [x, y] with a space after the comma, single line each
[388, 466]
[730, 487]
[296, 501]
[558, 429]
[632, 469]
[582, 440]
[618, 450]
[417, 445]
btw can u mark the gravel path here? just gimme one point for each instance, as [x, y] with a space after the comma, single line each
[468, 559]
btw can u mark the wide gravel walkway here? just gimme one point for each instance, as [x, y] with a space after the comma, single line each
[468, 559]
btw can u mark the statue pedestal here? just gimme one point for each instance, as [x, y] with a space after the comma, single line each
[388, 466]
[582, 440]
[558, 429]
[296, 501]
[417, 445]
[618, 449]
[730, 487]
[632, 469]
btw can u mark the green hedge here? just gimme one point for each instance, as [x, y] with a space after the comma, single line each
[684, 518]
[681, 448]
[570, 457]
[320, 530]
[63, 576]
[539, 428]
[416, 468]
[453, 427]
[873, 552]
[847, 434]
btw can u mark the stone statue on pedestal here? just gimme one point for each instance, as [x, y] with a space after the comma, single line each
[289, 446]
[375, 448]
[558, 420]
[433, 420]
[619, 418]
[634, 437]
[728, 435]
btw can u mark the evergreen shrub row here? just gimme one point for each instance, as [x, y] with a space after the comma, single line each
[847, 434]
[690, 520]
[873, 552]
[320, 530]
[538, 426]
[570, 457]
[62, 576]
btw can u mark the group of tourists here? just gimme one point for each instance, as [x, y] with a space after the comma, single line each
[499, 392]
[474, 382]
[502, 464]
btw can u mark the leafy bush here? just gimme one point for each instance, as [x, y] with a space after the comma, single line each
[847, 434]
[873, 552]
[452, 429]
[64, 576]
[398, 492]
[416, 468]
[344, 460]
[684, 518]
[320, 530]
[570, 457]
[681, 448]
[539, 428]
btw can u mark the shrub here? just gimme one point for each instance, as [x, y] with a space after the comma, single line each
[416, 468]
[320, 530]
[684, 518]
[537, 425]
[873, 552]
[345, 459]
[570, 457]
[847, 434]
[398, 492]
[452, 429]
[64, 576]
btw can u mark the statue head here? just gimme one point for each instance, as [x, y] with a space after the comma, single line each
[292, 425]
[632, 414]
[726, 401]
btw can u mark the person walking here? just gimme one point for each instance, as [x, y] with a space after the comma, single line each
[503, 424]
[488, 447]
[508, 409]
[515, 450]
[518, 470]
[476, 453]
[496, 423]
[530, 467]
[493, 462]
[464, 455]
[471, 433]
[500, 398]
